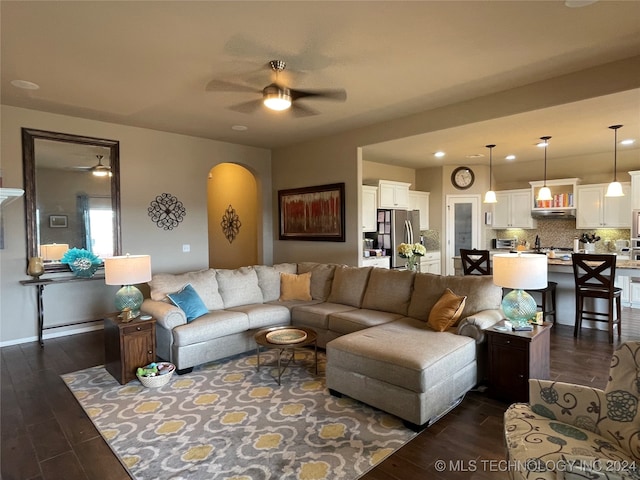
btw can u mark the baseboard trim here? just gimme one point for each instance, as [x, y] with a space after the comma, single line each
[46, 336]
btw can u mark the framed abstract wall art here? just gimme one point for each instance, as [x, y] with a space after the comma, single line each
[312, 213]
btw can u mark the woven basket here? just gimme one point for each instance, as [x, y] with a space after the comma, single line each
[158, 380]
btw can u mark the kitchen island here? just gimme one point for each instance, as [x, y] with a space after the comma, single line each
[561, 272]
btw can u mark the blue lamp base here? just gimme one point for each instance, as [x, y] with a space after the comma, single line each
[518, 306]
[129, 297]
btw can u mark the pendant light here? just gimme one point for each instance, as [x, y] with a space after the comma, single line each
[615, 189]
[545, 193]
[490, 196]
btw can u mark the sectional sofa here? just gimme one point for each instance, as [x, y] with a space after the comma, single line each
[381, 328]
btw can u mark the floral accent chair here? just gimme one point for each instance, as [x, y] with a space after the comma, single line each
[577, 432]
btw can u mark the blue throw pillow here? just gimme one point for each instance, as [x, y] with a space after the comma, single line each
[189, 301]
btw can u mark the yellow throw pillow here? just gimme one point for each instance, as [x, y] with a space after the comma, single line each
[295, 287]
[447, 310]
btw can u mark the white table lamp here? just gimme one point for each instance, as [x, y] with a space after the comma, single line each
[53, 252]
[128, 270]
[519, 272]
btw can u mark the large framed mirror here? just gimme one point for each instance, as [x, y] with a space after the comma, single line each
[72, 194]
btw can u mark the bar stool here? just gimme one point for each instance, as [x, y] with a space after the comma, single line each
[544, 293]
[594, 277]
[475, 262]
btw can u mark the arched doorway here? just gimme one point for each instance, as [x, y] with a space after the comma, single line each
[232, 212]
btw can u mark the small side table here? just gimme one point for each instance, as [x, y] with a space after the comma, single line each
[514, 358]
[128, 345]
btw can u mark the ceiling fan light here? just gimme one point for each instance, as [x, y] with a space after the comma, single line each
[614, 190]
[277, 100]
[101, 171]
[544, 194]
[490, 197]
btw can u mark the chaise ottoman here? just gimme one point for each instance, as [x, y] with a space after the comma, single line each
[404, 368]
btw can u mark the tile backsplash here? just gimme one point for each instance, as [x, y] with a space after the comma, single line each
[561, 233]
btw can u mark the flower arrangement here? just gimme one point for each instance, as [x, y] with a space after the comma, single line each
[82, 262]
[412, 252]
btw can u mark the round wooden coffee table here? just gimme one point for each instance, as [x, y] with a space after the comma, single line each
[286, 339]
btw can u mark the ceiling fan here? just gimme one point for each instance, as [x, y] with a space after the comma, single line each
[98, 170]
[277, 96]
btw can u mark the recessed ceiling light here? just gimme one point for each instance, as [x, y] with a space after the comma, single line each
[510, 157]
[240, 128]
[542, 144]
[475, 155]
[439, 154]
[628, 141]
[25, 84]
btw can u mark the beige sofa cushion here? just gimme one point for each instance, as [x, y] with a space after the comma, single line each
[239, 287]
[321, 278]
[203, 282]
[389, 290]
[269, 279]
[349, 284]
[480, 291]
[406, 353]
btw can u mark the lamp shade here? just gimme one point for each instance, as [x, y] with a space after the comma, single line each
[520, 271]
[127, 269]
[490, 197]
[53, 251]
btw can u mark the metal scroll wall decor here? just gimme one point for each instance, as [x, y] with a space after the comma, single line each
[166, 211]
[230, 224]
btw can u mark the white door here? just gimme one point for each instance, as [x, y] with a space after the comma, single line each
[462, 226]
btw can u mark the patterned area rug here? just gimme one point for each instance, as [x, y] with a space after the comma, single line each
[226, 420]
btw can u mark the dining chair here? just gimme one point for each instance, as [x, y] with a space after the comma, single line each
[594, 276]
[475, 262]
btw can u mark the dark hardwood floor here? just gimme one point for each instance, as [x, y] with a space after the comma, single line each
[46, 434]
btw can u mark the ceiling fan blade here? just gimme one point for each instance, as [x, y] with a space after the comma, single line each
[327, 94]
[224, 86]
[247, 107]
[302, 110]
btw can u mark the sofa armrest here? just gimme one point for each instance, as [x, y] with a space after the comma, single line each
[167, 315]
[578, 405]
[474, 325]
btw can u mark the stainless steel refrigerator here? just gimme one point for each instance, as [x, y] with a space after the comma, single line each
[396, 227]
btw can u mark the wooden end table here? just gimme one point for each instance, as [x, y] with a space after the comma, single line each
[514, 358]
[128, 345]
[262, 341]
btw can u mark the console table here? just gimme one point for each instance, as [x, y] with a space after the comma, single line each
[40, 283]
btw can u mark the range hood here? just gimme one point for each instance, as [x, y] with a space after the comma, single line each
[567, 213]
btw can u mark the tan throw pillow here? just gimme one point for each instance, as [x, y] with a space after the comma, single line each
[295, 287]
[446, 312]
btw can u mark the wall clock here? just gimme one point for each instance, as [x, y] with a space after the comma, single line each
[462, 177]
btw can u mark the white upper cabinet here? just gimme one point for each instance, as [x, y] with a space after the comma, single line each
[594, 210]
[369, 208]
[420, 201]
[513, 209]
[635, 189]
[393, 194]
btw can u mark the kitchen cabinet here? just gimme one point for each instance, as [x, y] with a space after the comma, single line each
[563, 191]
[420, 201]
[430, 263]
[594, 210]
[513, 209]
[369, 208]
[377, 262]
[393, 194]
[635, 189]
